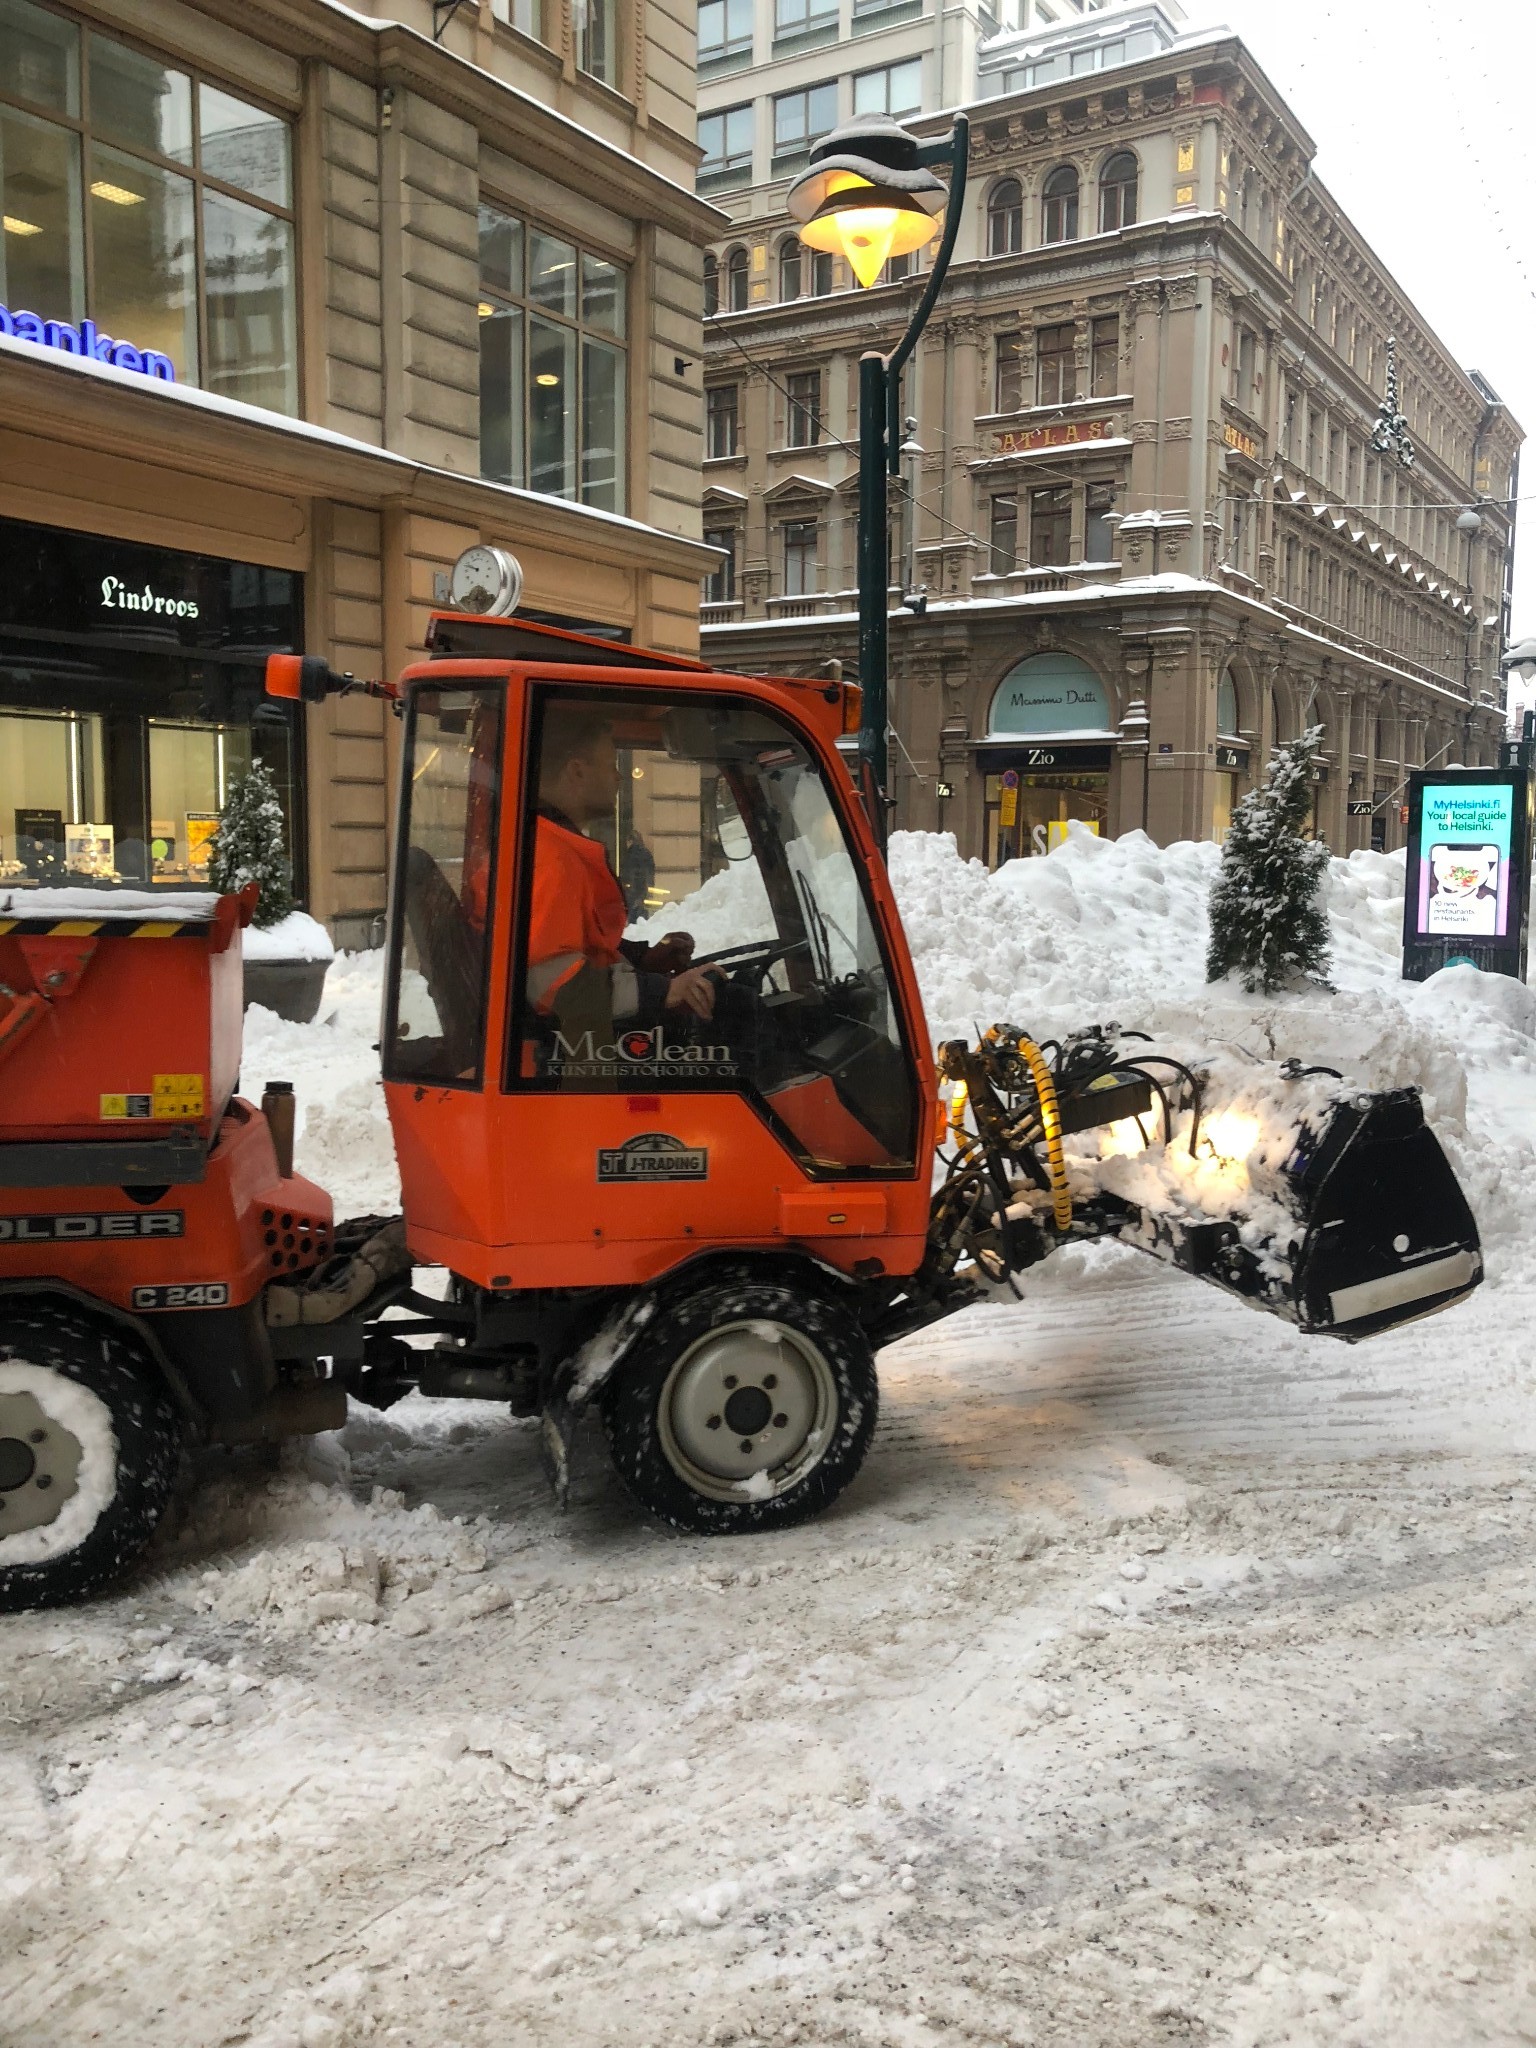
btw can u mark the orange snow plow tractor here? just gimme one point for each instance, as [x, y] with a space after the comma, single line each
[666, 1114]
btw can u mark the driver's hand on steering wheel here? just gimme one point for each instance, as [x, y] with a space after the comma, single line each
[693, 989]
[669, 955]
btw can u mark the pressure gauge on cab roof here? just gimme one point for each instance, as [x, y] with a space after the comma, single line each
[487, 580]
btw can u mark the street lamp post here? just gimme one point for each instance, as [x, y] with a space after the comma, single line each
[869, 193]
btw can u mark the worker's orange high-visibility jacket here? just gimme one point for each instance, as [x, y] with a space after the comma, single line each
[578, 913]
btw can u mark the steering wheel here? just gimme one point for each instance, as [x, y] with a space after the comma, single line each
[753, 961]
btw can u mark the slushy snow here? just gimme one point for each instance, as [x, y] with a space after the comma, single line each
[1164, 1678]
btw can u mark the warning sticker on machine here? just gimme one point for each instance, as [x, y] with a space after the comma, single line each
[178, 1095]
[174, 1097]
[115, 1106]
[654, 1155]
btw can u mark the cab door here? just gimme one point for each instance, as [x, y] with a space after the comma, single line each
[679, 834]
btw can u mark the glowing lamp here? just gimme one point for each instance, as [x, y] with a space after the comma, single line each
[865, 196]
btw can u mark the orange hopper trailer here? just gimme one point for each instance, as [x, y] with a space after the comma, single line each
[670, 1131]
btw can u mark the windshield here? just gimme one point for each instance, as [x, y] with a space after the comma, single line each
[694, 917]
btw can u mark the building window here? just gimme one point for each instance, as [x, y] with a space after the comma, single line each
[711, 287]
[1104, 367]
[803, 422]
[1244, 365]
[553, 407]
[1226, 706]
[527, 16]
[797, 17]
[736, 281]
[725, 30]
[1005, 218]
[1058, 221]
[823, 277]
[1117, 193]
[1008, 374]
[799, 557]
[899, 268]
[791, 267]
[720, 583]
[1050, 526]
[895, 89]
[1005, 534]
[720, 420]
[726, 140]
[799, 117]
[1099, 536]
[1055, 365]
[598, 45]
[115, 762]
[151, 203]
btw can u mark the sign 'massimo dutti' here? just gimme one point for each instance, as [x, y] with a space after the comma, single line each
[86, 340]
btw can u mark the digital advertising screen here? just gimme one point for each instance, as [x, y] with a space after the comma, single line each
[1465, 842]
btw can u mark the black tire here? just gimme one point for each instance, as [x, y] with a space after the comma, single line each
[669, 1398]
[88, 1432]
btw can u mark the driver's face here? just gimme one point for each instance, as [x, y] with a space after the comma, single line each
[595, 779]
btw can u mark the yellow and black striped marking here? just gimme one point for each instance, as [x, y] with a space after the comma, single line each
[103, 928]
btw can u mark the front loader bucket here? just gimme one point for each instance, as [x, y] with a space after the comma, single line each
[1364, 1226]
[1389, 1233]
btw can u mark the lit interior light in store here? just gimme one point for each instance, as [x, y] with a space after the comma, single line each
[116, 195]
[16, 226]
[546, 378]
[485, 309]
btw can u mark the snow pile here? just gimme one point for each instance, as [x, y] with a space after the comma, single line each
[295, 937]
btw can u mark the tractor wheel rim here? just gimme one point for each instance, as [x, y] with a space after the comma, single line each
[747, 1411]
[58, 1462]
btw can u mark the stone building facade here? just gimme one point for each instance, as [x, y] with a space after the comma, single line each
[421, 277]
[1151, 527]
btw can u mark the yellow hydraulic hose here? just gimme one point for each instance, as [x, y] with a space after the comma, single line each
[1050, 1118]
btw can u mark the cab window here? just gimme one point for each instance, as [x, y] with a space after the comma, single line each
[693, 917]
[439, 949]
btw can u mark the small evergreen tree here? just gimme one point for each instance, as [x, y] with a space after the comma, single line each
[1268, 924]
[248, 846]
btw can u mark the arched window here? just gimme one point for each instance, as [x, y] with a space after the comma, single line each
[1117, 193]
[1226, 706]
[1005, 218]
[790, 267]
[1059, 206]
[1248, 204]
[1274, 712]
[711, 287]
[736, 281]
[1049, 693]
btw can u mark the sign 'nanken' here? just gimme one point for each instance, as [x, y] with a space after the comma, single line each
[1064, 434]
[86, 340]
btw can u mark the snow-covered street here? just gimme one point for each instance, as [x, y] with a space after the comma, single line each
[1166, 1676]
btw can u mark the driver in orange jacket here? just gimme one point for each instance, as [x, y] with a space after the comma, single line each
[580, 965]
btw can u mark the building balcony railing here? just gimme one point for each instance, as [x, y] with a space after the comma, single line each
[1030, 582]
[722, 613]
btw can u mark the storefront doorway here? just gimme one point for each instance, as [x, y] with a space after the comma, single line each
[130, 698]
[1046, 758]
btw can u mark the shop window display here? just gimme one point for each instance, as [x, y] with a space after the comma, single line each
[130, 700]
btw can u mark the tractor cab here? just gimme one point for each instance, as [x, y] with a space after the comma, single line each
[646, 985]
